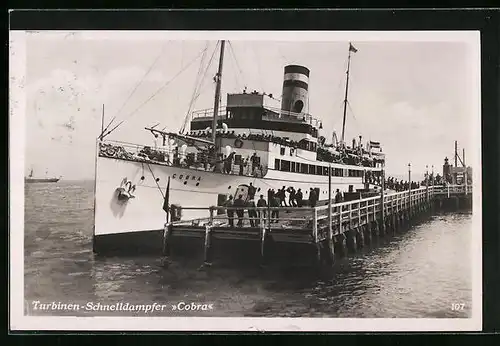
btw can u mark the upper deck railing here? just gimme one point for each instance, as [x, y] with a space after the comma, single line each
[171, 157]
[275, 114]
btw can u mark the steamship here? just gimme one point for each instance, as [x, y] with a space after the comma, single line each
[30, 179]
[269, 145]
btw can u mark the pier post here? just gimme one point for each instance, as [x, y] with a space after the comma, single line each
[331, 247]
[360, 237]
[262, 237]
[166, 250]
[315, 235]
[368, 233]
[341, 244]
[393, 224]
[375, 229]
[208, 240]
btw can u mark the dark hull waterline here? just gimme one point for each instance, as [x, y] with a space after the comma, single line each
[41, 180]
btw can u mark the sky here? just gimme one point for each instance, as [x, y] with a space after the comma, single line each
[415, 97]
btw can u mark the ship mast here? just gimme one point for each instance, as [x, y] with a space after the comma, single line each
[351, 49]
[218, 80]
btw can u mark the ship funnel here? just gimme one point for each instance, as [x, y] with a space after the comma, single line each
[295, 89]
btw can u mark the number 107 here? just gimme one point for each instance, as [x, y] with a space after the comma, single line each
[457, 306]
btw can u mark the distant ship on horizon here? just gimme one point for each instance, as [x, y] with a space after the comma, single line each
[31, 179]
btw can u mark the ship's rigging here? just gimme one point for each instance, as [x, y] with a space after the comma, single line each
[339, 145]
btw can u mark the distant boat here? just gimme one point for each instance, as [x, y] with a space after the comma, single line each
[31, 179]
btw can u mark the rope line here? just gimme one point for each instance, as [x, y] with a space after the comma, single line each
[157, 92]
[157, 185]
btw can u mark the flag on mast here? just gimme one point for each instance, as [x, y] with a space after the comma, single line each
[351, 48]
[167, 196]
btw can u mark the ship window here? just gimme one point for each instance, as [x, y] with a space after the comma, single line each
[344, 173]
[277, 164]
[312, 169]
[304, 168]
[319, 170]
[282, 151]
[285, 166]
[325, 170]
[298, 106]
[293, 167]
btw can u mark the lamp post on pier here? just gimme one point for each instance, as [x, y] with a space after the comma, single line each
[409, 185]
[427, 182]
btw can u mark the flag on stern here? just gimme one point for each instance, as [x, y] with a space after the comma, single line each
[373, 144]
[351, 48]
[167, 195]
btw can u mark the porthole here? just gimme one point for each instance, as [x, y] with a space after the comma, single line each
[194, 178]
[185, 182]
[197, 184]
[229, 187]
[157, 179]
[181, 176]
[143, 177]
[199, 178]
[187, 177]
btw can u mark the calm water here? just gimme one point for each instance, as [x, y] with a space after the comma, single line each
[416, 274]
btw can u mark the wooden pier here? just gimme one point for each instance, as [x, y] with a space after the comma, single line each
[331, 230]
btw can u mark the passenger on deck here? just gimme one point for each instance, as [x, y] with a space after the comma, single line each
[230, 212]
[240, 212]
[255, 162]
[241, 166]
[228, 163]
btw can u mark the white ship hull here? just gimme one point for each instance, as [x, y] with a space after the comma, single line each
[141, 219]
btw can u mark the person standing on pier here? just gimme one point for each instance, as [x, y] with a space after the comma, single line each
[252, 213]
[291, 197]
[230, 212]
[261, 203]
[274, 203]
[251, 191]
[240, 212]
[313, 198]
[338, 197]
[282, 196]
[299, 198]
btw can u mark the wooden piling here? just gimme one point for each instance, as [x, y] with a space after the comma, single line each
[208, 239]
[368, 234]
[315, 235]
[262, 238]
[341, 244]
[360, 237]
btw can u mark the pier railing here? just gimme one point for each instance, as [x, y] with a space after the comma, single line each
[335, 224]
[344, 214]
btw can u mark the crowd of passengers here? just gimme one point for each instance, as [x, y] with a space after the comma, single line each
[284, 197]
[291, 197]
